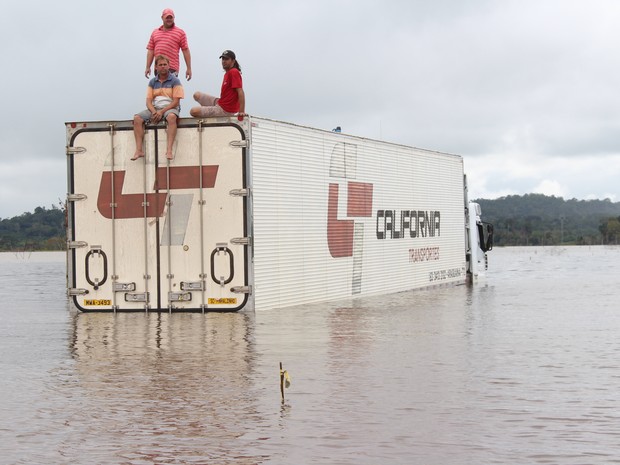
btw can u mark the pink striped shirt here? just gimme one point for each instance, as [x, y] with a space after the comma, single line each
[168, 42]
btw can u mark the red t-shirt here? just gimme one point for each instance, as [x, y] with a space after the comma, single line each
[229, 100]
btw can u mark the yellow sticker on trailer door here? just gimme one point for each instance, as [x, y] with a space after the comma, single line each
[97, 302]
[223, 301]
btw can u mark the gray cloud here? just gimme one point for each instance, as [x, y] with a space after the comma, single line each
[527, 81]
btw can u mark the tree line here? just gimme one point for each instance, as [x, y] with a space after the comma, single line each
[530, 219]
[537, 219]
[44, 229]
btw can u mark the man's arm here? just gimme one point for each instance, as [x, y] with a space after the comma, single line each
[159, 114]
[149, 105]
[150, 54]
[188, 63]
[241, 96]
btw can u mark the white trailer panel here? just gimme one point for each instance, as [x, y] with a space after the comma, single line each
[321, 202]
[257, 214]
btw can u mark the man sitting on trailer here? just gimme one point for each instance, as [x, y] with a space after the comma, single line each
[232, 97]
[163, 97]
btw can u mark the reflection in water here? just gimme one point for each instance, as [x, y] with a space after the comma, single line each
[163, 388]
[520, 369]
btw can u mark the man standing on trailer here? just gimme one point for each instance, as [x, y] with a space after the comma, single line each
[163, 97]
[167, 40]
[232, 97]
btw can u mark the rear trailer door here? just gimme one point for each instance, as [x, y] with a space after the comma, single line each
[152, 234]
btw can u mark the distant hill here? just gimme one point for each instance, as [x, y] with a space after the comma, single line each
[530, 219]
[42, 230]
[536, 219]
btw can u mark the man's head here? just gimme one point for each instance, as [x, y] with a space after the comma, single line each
[229, 60]
[167, 16]
[228, 54]
[162, 65]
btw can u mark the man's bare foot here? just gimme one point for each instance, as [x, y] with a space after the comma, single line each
[137, 155]
[169, 155]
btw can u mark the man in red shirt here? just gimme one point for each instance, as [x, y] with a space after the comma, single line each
[232, 97]
[167, 40]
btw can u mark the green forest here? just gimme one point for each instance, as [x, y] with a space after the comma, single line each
[531, 219]
[42, 230]
[536, 219]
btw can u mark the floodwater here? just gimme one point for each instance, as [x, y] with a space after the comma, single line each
[522, 369]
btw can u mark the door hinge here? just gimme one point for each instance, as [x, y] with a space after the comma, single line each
[76, 197]
[76, 244]
[239, 192]
[76, 291]
[241, 289]
[75, 150]
[241, 241]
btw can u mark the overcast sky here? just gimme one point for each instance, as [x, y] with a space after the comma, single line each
[527, 91]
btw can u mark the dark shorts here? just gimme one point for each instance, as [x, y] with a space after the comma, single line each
[146, 114]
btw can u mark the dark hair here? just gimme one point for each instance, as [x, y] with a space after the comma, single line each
[236, 65]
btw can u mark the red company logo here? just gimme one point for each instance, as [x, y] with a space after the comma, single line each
[359, 205]
[132, 205]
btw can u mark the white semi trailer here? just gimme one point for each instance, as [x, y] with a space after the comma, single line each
[258, 214]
